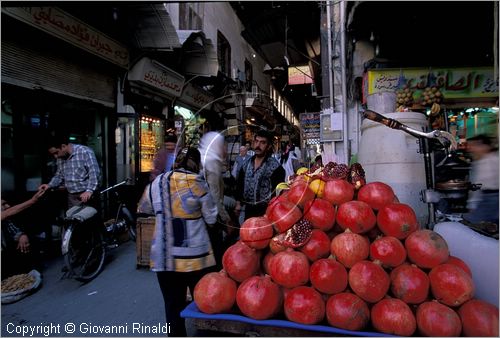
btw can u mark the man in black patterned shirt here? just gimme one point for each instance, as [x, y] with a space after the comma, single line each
[258, 178]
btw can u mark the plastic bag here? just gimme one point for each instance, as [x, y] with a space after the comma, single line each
[14, 296]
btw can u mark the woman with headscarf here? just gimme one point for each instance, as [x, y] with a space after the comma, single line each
[213, 154]
[181, 252]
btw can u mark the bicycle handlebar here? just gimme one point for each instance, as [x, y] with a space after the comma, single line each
[115, 186]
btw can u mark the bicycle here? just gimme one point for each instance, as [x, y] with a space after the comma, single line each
[86, 238]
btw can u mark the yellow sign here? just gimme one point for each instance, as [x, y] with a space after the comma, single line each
[453, 82]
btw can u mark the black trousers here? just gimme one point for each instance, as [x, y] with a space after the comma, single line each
[174, 286]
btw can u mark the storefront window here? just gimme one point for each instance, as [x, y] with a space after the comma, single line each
[151, 131]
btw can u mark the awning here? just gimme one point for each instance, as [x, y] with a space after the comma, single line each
[199, 55]
[152, 28]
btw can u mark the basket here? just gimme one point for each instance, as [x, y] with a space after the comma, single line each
[145, 229]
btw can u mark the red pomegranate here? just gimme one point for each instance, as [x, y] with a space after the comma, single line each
[393, 316]
[410, 284]
[240, 261]
[349, 248]
[369, 281]
[259, 298]
[356, 216]
[215, 292]
[320, 213]
[284, 215]
[338, 191]
[290, 268]
[426, 248]
[479, 319]
[388, 250]
[437, 320]
[460, 263]
[397, 220]
[328, 276]
[300, 193]
[266, 262]
[451, 285]
[318, 246]
[376, 194]
[347, 311]
[256, 232]
[304, 305]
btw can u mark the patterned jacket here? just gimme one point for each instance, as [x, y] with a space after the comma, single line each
[183, 208]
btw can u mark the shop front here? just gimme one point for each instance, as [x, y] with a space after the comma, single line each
[54, 81]
[151, 89]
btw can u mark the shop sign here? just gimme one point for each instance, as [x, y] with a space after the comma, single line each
[310, 124]
[299, 75]
[68, 28]
[453, 82]
[196, 97]
[153, 74]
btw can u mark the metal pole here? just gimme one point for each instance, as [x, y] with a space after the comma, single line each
[330, 66]
[344, 81]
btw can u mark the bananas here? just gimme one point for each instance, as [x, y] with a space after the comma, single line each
[435, 109]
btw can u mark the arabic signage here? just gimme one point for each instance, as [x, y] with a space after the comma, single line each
[196, 97]
[299, 75]
[68, 28]
[310, 125]
[453, 82]
[155, 75]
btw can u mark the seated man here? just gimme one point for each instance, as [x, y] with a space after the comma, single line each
[18, 255]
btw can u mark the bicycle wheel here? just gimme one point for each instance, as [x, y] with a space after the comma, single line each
[86, 251]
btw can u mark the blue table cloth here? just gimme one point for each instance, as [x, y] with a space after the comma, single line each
[192, 311]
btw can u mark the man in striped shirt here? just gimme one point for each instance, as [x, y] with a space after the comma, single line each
[77, 170]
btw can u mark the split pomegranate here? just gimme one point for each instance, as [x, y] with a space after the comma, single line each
[289, 268]
[318, 246]
[410, 284]
[460, 263]
[320, 213]
[297, 236]
[393, 316]
[479, 319]
[240, 261]
[256, 232]
[388, 250]
[356, 216]
[349, 248]
[397, 220]
[437, 320]
[347, 311]
[215, 292]
[275, 245]
[376, 194]
[304, 305]
[369, 281]
[328, 276]
[451, 285]
[338, 191]
[426, 248]
[259, 298]
[284, 215]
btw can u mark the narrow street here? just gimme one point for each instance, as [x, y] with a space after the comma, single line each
[121, 295]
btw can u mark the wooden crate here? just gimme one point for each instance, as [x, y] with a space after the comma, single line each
[145, 228]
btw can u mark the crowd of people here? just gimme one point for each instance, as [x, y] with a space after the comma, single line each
[198, 209]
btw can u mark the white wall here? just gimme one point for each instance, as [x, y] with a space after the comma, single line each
[220, 16]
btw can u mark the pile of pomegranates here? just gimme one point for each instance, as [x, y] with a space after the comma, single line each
[346, 253]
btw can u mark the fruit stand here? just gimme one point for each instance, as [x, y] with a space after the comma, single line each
[335, 255]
